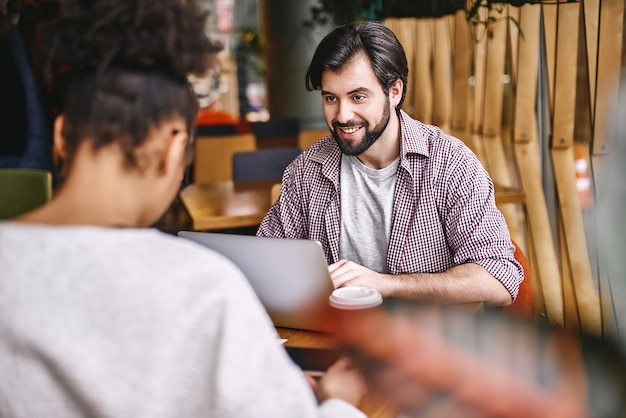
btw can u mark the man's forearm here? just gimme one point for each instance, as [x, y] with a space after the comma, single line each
[465, 283]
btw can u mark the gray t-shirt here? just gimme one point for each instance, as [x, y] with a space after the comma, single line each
[103, 322]
[366, 212]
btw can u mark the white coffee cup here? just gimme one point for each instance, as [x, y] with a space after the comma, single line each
[355, 297]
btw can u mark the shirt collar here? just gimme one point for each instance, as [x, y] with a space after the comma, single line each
[414, 136]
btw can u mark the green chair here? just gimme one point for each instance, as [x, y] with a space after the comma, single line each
[22, 190]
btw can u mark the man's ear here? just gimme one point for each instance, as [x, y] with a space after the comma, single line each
[395, 92]
[60, 144]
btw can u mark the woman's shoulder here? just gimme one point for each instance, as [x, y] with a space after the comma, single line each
[150, 250]
[186, 254]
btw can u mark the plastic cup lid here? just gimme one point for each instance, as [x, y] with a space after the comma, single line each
[355, 297]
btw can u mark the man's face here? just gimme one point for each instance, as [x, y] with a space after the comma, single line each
[356, 109]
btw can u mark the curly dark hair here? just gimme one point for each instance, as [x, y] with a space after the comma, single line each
[117, 68]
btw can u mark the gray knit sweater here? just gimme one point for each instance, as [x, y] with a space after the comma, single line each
[131, 323]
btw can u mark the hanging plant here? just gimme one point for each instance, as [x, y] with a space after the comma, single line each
[479, 22]
[478, 13]
[251, 40]
[343, 11]
[251, 46]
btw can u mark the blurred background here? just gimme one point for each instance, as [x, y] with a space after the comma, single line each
[532, 87]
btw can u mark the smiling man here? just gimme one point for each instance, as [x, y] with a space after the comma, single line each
[396, 204]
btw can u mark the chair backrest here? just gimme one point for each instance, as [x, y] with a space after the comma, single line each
[523, 305]
[22, 190]
[277, 132]
[216, 130]
[275, 192]
[213, 158]
[263, 164]
[308, 137]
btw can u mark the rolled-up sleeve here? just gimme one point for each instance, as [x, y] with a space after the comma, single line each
[476, 229]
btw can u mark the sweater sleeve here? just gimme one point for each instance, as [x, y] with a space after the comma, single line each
[255, 376]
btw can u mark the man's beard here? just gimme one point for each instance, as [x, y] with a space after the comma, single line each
[357, 148]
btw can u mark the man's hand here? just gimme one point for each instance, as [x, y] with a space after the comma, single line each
[347, 273]
[465, 283]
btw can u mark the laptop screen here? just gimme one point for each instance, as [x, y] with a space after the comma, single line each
[290, 277]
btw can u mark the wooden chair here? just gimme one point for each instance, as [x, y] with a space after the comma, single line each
[263, 164]
[22, 190]
[308, 137]
[523, 305]
[221, 129]
[213, 159]
[216, 130]
[275, 193]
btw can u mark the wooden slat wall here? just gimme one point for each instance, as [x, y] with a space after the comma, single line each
[497, 164]
[444, 58]
[591, 13]
[462, 59]
[442, 72]
[549, 29]
[422, 93]
[608, 57]
[606, 79]
[549, 297]
[479, 63]
[570, 211]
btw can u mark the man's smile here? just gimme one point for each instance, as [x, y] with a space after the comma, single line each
[350, 129]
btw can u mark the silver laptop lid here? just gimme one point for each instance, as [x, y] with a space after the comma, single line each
[290, 277]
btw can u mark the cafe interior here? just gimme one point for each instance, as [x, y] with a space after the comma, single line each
[533, 88]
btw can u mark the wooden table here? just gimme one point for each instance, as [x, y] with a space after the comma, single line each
[311, 350]
[316, 351]
[300, 338]
[227, 204]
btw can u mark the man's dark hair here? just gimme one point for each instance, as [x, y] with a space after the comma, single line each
[378, 42]
[118, 68]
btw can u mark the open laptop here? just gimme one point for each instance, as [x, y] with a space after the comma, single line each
[290, 277]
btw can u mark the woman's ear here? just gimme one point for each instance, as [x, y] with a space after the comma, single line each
[175, 151]
[60, 144]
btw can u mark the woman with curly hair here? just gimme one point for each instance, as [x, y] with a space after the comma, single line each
[101, 316]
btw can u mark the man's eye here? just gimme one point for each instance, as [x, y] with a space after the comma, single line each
[330, 99]
[358, 97]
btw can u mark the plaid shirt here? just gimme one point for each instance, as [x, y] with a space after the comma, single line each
[444, 211]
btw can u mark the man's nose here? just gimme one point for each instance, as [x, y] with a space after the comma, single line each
[345, 112]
